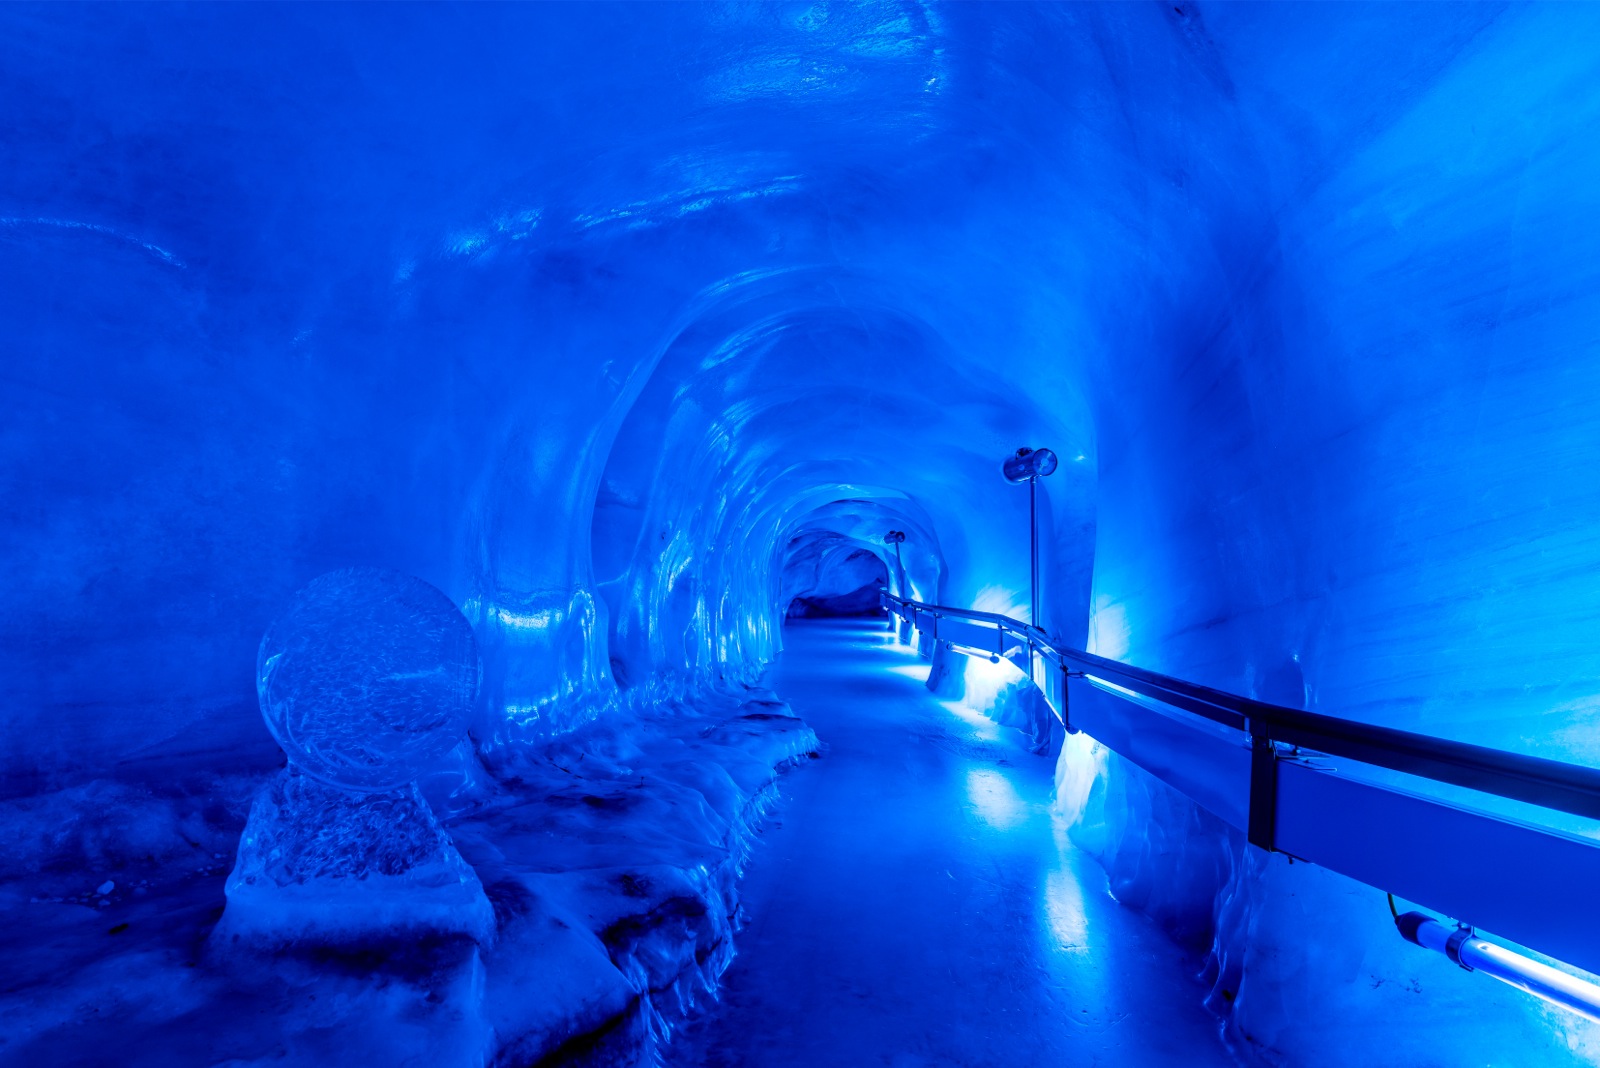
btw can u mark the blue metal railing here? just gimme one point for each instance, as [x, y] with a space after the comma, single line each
[1538, 781]
[1300, 783]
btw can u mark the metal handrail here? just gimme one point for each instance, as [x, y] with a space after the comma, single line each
[1551, 784]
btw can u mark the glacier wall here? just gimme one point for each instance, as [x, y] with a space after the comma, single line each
[1362, 498]
[584, 314]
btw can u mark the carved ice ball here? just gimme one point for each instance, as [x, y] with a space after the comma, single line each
[368, 679]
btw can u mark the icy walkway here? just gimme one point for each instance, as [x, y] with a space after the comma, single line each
[914, 904]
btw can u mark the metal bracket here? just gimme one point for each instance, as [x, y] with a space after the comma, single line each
[1067, 674]
[1452, 946]
[1262, 827]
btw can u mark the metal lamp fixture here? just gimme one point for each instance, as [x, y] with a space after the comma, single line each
[1030, 465]
[1027, 464]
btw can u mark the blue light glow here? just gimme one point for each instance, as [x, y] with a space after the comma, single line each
[633, 331]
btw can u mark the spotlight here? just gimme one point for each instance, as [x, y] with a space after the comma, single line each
[1027, 464]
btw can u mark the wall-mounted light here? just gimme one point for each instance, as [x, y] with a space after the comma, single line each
[1026, 464]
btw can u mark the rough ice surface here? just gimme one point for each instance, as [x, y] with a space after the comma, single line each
[583, 314]
[324, 864]
[610, 859]
[830, 575]
[997, 689]
[368, 679]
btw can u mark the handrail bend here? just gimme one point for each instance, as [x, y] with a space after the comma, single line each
[1552, 784]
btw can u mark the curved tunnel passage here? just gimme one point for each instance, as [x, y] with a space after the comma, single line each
[587, 316]
[826, 575]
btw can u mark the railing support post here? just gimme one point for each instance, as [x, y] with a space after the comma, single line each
[1066, 713]
[1262, 828]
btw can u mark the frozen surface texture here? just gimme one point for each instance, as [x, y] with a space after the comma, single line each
[584, 314]
[1258, 913]
[321, 864]
[611, 861]
[994, 688]
[368, 679]
[829, 575]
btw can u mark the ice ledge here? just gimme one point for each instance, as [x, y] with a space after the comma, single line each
[610, 857]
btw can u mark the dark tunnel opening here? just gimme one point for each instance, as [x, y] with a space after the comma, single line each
[842, 582]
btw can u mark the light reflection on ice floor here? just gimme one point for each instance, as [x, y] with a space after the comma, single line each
[995, 799]
[917, 670]
[1063, 910]
[979, 726]
[913, 901]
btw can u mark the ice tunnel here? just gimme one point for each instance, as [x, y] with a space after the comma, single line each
[508, 561]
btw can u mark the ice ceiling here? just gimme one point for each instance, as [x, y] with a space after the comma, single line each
[582, 314]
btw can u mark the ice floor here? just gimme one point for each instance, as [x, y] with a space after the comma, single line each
[913, 903]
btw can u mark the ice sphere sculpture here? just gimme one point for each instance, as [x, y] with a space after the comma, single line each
[368, 679]
[367, 682]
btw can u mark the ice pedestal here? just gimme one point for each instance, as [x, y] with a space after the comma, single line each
[323, 864]
[368, 682]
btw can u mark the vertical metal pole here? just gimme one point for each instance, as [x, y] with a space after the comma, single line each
[902, 632]
[1033, 566]
[1033, 550]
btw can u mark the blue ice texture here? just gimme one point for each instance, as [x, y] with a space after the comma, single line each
[368, 679]
[621, 328]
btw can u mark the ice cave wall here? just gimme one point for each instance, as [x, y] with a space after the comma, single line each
[1361, 492]
[292, 292]
[582, 313]
[786, 404]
